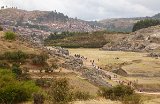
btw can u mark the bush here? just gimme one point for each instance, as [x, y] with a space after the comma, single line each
[4, 65]
[40, 59]
[9, 35]
[16, 70]
[38, 98]
[60, 91]
[13, 91]
[43, 83]
[82, 95]
[17, 56]
[16, 92]
[123, 93]
[1, 29]
[13, 94]
[117, 92]
[133, 99]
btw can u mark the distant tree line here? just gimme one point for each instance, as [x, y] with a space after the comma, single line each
[145, 24]
[53, 16]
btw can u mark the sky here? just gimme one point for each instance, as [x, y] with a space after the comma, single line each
[91, 9]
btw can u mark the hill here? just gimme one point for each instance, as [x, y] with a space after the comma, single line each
[120, 24]
[24, 53]
[157, 16]
[54, 21]
[43, 20]
[123, 24]
[30, 64]
[147, 39]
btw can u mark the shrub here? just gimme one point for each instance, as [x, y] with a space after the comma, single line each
[4, 65]
[13, 94]
[17, 56]
[25, 77]
[123, 93]
[16, 92]
[60, 91]
[40, 59]
[106, 93]
[16, 70]
[82, 95]
[43, 83]
[13, 91]
[133, 99]
[9, 35]
[117, 92]
[38, 98]
[1, 29]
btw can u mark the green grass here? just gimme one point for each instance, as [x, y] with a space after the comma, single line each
[77, 40]
[15, 91]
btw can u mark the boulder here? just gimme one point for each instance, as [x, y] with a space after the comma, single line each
[120, 71]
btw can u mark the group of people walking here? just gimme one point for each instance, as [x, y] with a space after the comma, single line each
[98, 68]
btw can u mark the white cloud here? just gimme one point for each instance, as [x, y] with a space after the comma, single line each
[91, 9]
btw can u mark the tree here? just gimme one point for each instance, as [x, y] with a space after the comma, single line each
[60, 91]
[145, 24]
[13, 91]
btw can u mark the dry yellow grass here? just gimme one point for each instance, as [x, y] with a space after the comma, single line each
[6, 45]
[139, 60]
[94, 101]
[139, 63]
[97, 101]
[82, 85]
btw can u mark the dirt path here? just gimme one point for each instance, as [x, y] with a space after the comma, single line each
[97, 101]
[114, 77]
[148, 93]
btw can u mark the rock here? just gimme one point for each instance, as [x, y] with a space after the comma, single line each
[147, 39]
[120, 71]
[154, 54]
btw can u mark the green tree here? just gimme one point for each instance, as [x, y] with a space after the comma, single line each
[60, 91]
[13, 91]
[9, 35]
[145, 24]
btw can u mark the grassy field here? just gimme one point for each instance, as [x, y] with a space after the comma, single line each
[139, 66]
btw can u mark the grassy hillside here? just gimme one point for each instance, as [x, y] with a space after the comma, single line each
[20, 71]
[77, 40]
